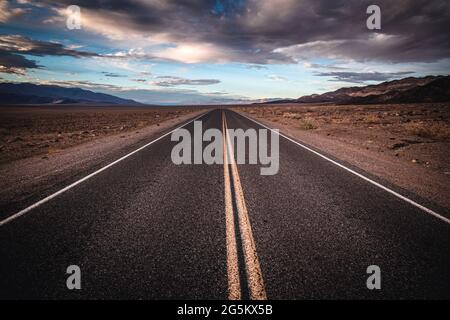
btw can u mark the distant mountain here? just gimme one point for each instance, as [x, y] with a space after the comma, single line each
[408, 90]
[28, 93]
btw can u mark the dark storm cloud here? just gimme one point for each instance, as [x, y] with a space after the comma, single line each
[253, 29]
[15, 64]
[361, 77]
[23, 45]
[12, 47]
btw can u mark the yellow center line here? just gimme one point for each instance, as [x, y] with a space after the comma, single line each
[234, 286]
[252, 266]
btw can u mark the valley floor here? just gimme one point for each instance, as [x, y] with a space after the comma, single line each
[407, 145]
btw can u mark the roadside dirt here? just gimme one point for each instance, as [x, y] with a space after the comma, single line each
[28, 131]
[69, 159]
[407, 145]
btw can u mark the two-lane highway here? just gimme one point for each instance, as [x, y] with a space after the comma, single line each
[149, 229]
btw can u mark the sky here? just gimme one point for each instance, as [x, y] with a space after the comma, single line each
[220, 51]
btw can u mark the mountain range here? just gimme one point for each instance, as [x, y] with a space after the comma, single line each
[407, 90]
[28, 93]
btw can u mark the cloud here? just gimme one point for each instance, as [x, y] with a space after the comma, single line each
[113, 75]
[7, 13]
[186, 53]
[322, 66]
[167, 81]
[361, 77]
[275, 77]
[259, 32]
[23, 45]
[195, 53]
[255, 66]
[190, 52]
[84, 84]
[139, 80]
[15, 63]
[13, 47]
[374, 47]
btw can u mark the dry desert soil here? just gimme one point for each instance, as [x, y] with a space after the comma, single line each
[27, 131]
[407, 145]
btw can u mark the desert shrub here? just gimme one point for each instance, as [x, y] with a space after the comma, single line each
[291, 115]
[307, 124]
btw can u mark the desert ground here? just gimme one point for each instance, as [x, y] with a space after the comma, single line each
[27, 131]
[406, 144]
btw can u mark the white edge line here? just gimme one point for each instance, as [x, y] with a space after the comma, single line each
[57, 193]
[398, 195]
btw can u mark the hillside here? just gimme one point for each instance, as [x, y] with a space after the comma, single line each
[28, 93]
[408, 90]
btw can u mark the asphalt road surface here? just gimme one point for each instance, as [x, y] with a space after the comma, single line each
[145, 228]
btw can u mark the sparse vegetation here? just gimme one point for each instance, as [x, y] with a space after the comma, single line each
[402, 131]
[307, 124]
[435, 131]
[28, 131]
[292, 115]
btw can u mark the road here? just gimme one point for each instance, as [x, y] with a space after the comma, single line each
[145, 228]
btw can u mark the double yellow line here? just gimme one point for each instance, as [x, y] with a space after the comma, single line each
[252, 267]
